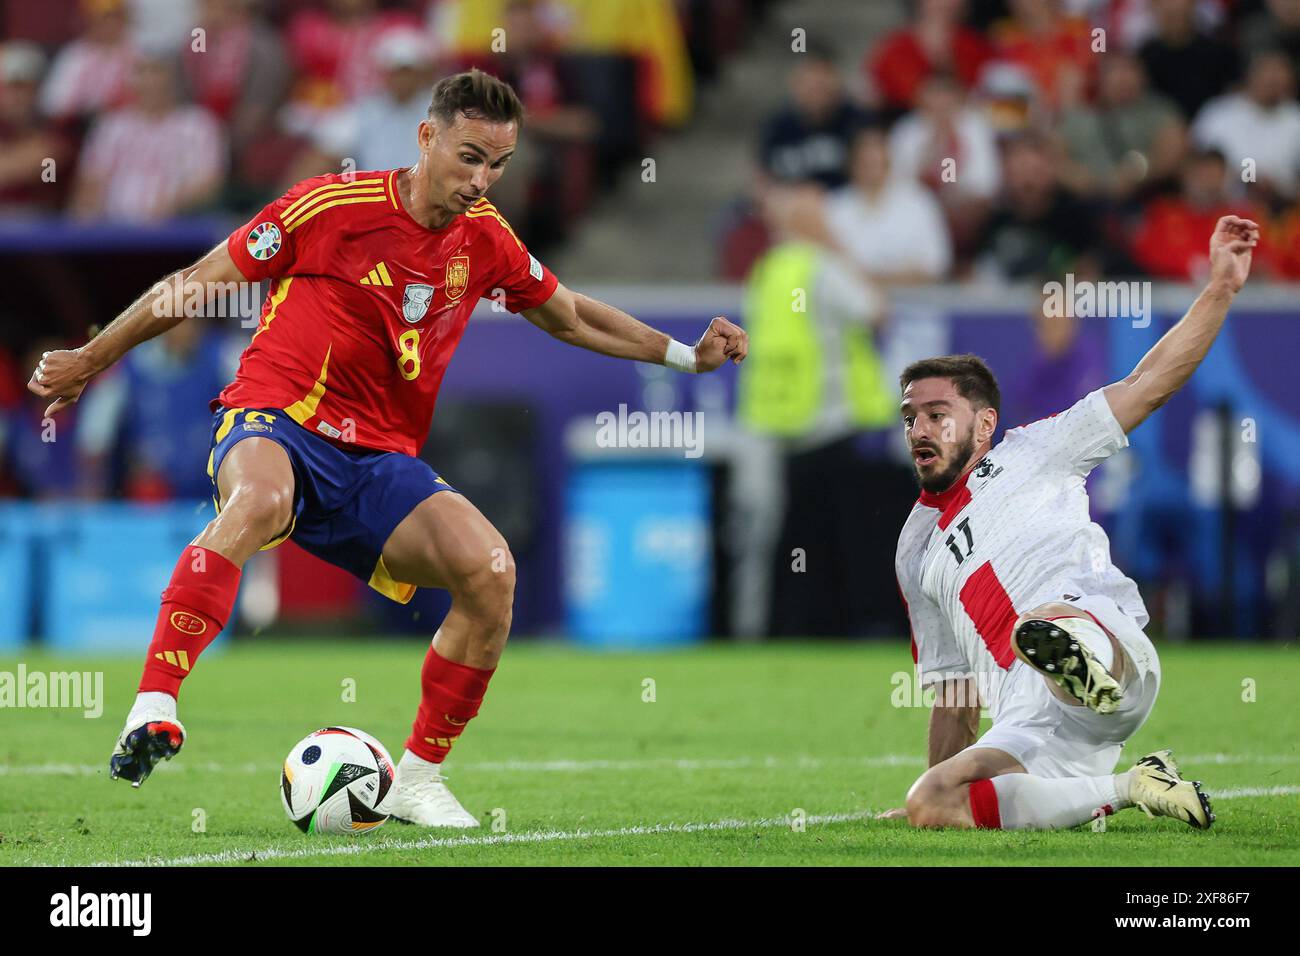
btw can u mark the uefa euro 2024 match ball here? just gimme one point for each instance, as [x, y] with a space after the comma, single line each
[335, 781]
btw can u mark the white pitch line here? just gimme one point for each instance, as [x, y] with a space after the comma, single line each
[553, 836]
[1254, 792]
[588, 766]
[531, 836]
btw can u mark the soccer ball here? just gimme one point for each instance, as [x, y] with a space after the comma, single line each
[335, 780]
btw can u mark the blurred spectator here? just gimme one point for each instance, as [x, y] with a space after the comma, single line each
[545, 186]
[145, 426]
[1009, 99]
[154, 159]
[331, 50]
[808, 140]
[1053, 48]
[163, 24]
[950, 148]
[37, 454]
[1170, 240]
[934, 42]
[1185, 64]
[240, 75]
[1037, 229]
[93, 72]
[817, 384]
[784, 394]
[1131, 138]
[1260, 124]
[379, 130]
[1284, 239]
[944, 128]
[27, 140]
[891, 227]
[1276, 27]
[531, 63]
[648, 31]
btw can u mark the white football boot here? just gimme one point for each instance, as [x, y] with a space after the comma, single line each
[1050, 648]
[1156, 787]
[152, 733]
[420, 796]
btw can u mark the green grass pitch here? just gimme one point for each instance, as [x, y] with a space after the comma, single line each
[569, 763]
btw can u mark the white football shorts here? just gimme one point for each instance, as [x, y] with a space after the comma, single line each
[1051, 738]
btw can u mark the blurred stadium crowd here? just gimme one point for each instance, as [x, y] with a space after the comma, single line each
[265, 93]
[1022, 139]
[142, 118]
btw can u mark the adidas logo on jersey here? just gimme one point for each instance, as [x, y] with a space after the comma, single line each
[378, 276]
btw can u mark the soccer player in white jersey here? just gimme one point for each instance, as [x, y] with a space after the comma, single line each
[1014, 602]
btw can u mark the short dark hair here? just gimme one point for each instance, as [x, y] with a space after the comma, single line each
[478, 95]
[973, 379]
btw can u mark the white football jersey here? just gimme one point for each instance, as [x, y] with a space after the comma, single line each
[1012, 534]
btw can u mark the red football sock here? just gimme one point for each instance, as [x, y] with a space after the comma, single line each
[984, 805]
[195, 607]
[450, 697]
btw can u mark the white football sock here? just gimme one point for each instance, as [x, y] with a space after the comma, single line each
[153, 703]
[414, 761]
[1026, 802]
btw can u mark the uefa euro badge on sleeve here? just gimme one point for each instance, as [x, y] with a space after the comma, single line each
[264, 240]
[415, 301]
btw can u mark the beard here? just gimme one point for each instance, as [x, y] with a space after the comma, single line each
[940, 481]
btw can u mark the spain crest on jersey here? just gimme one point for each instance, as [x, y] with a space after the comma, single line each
[415, 301]
[457, 277]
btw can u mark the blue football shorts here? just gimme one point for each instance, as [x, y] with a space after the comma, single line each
[346, 502]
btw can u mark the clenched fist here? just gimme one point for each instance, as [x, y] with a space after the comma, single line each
[722, 340]
[61, 375]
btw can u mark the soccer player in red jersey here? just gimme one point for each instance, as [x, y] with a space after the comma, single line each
[374, 276]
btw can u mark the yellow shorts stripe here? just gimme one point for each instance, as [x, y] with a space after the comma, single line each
[384, 583]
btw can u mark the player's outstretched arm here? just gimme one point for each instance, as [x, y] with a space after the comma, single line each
[591, 324]
[61, 375]
[1171, 361]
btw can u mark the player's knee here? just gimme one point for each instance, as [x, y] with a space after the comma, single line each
[1045, 611]
[928, 802]
[487, 589]
[265, 507]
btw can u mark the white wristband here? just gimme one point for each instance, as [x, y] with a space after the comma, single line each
[680, 357]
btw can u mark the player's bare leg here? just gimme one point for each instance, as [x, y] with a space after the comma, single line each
[988, 788]
[255, 483]
[941, 797]
[1083, 664]
[447, 543]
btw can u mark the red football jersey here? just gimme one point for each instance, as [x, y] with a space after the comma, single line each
[368, 305]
